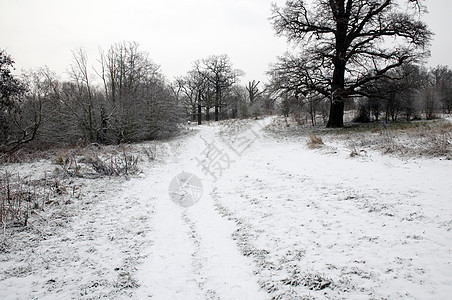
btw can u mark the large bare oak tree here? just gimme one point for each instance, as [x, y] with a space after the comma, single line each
[345, 45]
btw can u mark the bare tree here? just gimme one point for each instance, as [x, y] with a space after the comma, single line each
[442, 79]
[253, 90]
[135, 91]
[239, 102]
[313, 106]
[344, 45]
[80, 76]
[394, 94]
[221, 75]
[194, 88]
[27, 115]
[256, 99]
[136, 103]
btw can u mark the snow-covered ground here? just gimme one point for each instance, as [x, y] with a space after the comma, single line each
[276, 220]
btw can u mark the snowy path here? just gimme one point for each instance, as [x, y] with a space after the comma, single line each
[193, 255]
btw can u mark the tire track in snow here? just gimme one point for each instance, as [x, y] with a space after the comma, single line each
[193, 255]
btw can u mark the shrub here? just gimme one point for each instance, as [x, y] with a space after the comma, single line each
[115, 164]
[18, 197]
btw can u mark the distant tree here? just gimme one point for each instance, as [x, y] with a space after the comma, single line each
[393, 94]
[27, 117]
[430, 101]
[430, 95]
[268, 100]
[285, 106]
[219, 72]
[253, 90]
[313, 107]
[240, 102]
[194, 89]
[57, 126]
[81, 77]
[344, 45]
[15, 128]
[184, 96]
[255, 95]
[139, 104]
[10, 85]
[442, 80]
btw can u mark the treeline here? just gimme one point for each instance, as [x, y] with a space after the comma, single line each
[407, 92]
[125, 99]
[132, 103]
[210, 91]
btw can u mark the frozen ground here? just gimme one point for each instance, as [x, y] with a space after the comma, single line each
[277, 219]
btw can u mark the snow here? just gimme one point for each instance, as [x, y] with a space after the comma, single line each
[276, 220]
[192, 255]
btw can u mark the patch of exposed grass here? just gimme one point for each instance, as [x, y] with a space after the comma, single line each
[399, 125]
[411, 139]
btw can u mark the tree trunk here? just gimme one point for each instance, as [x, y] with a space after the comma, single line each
[216, 112]
[101, 133]
[338, 96]
[193, 113]
[217, 102]
[91, 135]
[199, 114]
[336, 118]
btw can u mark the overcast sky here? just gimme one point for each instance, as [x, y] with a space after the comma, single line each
[175, 33]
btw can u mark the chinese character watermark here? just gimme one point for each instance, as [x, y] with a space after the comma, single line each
[214, 159]
[185, 189]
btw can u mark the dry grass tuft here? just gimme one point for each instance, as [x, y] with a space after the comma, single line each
[315, 141]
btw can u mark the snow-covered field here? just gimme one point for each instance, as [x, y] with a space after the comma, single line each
[277, 219]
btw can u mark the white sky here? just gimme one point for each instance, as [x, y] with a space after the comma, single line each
[175, 33]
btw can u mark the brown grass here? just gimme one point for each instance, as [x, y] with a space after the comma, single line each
[315, 141]
[430, 139]
[18, 197]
